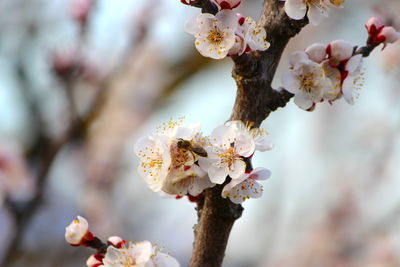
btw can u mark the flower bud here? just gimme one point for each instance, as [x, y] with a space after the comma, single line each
[227, 4]
[76, 231]
[95, 260]
[116, 241]
[374, 25]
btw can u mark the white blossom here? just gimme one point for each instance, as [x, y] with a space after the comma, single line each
[228, 147]
[238, 190]
[141, 254]
[169, 159]
[306, 80]
[215, 35]
[315, 9]
[76, 231]
[254, 35]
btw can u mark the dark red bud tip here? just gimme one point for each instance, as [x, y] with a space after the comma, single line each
[241, 20]
[225, 5]
[178, 197]
[87, 239]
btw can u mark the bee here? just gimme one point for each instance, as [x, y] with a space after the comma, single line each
[189, 146]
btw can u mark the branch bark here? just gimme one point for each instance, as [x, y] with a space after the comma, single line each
[254, 102]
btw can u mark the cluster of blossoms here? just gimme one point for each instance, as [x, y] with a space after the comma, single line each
[329, 72]
[324, 73]
[178, 160]
[117, 252]
[314, 9]
[226, 33]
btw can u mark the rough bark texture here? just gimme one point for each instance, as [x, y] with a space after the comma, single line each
[254, 102]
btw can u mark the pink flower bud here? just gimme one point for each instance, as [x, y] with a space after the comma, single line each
[227, 4]
[389, 35]
[374, 25]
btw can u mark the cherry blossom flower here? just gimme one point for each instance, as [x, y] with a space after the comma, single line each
[306, 80]
[142, 254]
[254, 35]
[77, 231]
[169, 164]
[260, 136]
[227, 4]
[95, 260]
[315, 9]
[215, 35]
[238, 190]
[226, 153]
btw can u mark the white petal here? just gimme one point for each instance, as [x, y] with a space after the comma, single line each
[295, 9]
[290, 82]
[260, 174]
[227, 20]
[354, 64]
[223, 135]
[244, 145]
[303, 101]
[164, 260]
[341, 50]
[238, 169]
[218, 175]
[348, 90]
[316, 52]
[298, 58]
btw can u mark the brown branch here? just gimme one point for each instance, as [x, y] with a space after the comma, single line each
[254, 102]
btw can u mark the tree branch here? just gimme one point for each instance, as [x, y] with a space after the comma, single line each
[255, 100]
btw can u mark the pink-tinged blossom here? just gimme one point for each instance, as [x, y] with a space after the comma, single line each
[140, 254]
[316, 52]
[227, 4]
[215, 35]
[226, 153]
[246, 187]
[77, 231]
[389, 35]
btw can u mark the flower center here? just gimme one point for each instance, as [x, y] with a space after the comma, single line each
[129, 261]
[307, 82]
[337, 2]
[215, 36]
[228, 157]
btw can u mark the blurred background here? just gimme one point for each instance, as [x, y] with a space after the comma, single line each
[82, 80]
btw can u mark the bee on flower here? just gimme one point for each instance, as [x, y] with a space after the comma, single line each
[169, 159]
